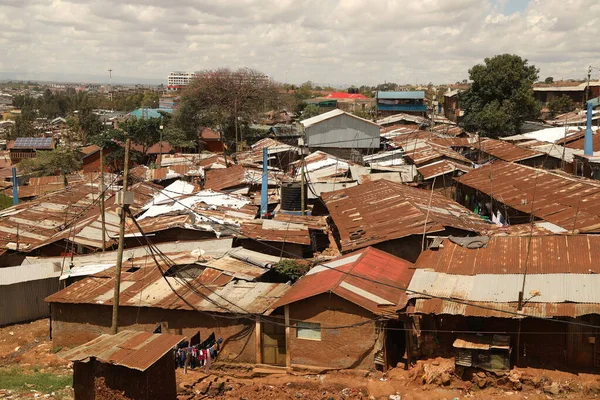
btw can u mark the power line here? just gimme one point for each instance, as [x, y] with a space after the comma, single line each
[405, 289]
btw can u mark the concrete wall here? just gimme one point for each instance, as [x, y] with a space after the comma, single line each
[343, 131]
[339, 348]
[75, 324]
[24, 301]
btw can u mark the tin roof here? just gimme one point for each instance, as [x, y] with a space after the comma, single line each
[447, 130]
[28, 273]
[379, 211]
[555, 254]
[504, 310]
[130, 349]
[275, 231]
[213, 291]
[442, 167]
[380, 269]
[408, 94]
[328, 115]
[235, 176]
[505, 287]
[504, 150]
[567, 201]
[422, 151]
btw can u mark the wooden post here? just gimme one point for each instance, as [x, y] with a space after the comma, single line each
[102, 207]
[257, 341]
[288, 329]
[122, 218]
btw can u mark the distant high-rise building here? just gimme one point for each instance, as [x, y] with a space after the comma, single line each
[179, 79]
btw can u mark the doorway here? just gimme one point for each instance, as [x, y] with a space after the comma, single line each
[273, 343]
[395, 344]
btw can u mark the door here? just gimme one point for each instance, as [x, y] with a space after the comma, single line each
[273, 343]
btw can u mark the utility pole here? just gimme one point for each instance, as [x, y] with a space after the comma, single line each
[124, 198]
[302, 179]
[102, 208]
[160, 145]
[110, 86]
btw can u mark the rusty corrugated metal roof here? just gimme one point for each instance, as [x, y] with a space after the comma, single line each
[376, 293]
[442, 167]
[567, 201]
[275, 231]
[504, 310]
[213, 291]
[130, 349]
[379, 211]
[575, 254]
[422, 151]
[504, 150]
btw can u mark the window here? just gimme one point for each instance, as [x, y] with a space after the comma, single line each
[308, 330]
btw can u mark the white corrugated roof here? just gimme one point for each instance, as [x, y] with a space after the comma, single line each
[27, 273]
[504, 288]
[330, 114]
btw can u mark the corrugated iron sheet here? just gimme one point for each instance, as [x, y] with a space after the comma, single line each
[504, 288]
[275, 231]
[379, 211]
[214, 291]
[442, 167]
[557, 254]
[567, 201]
[372, 285]
[504, 150]
[422, 151]
[504, 310]
[130, 349]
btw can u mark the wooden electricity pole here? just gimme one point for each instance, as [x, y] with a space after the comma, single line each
[122, 219]
[102, 209]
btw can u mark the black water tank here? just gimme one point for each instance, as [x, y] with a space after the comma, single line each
[291, 196]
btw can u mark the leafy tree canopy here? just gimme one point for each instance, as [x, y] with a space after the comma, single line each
[501, 97]
[560, 105]
[47, 163]
[228, 100]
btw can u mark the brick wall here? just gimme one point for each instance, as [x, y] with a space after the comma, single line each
[339, 348]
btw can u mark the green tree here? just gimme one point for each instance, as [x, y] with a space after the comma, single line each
[225, 99]
[5, 201]
[500, 97]
[549, 80]
[143, 132]
[53, 162]
[290, 270]
[561, 104]
[90, 124]
[311, 110]
[304, 91]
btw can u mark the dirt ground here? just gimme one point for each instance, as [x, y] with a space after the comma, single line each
[26, 350]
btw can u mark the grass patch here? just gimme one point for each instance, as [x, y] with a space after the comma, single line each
[24, 381]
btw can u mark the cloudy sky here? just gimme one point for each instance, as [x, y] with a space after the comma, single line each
[326, 41]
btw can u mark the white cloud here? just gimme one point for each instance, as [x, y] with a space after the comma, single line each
[343, 41]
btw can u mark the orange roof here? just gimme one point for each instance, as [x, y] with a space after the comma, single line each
[369, 278]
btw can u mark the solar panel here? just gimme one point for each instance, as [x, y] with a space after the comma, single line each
[33, 143]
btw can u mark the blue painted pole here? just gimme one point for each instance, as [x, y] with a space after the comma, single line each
[15, 187]
[588, 145]
[265, 182]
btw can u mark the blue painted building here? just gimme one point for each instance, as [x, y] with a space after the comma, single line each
[410, 102]
[147, 113]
